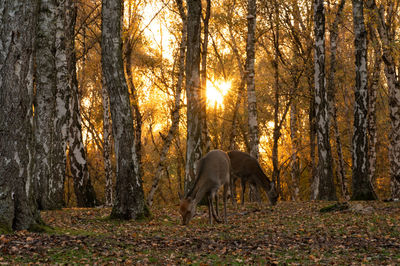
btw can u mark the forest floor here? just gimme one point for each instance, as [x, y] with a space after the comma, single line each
[288, 233]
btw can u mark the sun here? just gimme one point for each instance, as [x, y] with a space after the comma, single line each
[216, 91]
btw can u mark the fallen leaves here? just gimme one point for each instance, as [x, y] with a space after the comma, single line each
[290, 233]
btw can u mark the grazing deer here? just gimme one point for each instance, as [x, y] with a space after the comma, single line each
[213, 171]
[249, 170]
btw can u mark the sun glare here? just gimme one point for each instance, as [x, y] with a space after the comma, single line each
[216, 91]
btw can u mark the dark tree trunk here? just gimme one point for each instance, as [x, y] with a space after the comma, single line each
[17, 202]
[109, 195]
[129, 198]
[362, 188]
[324, 188]
[193, 92]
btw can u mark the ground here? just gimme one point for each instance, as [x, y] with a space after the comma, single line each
[288, 233]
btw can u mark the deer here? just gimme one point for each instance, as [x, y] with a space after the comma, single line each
[213, 171]
[249, 170]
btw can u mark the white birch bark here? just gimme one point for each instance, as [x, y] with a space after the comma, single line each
[342, 182]
[129, 199]
[17, 208]
[193, 92]
[48, 132]
[63, 93]
[84, 191]
[323, 188]
[393, 82]
[372, 99]
[251, 92]
[362, 188]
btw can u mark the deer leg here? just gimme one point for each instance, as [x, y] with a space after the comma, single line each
[216, 204]
[225, 199]
[217, 219]
[243, 190]
[232, 183]
[210, 209]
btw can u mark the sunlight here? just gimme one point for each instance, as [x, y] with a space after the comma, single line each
[216, 91]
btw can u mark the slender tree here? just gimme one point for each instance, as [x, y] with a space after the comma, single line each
[17, 202]
[129, 198]
[84, 191]
[331, 87]
[387, 36]
[373, 83]
[323, 187]
[193, 92]
[251, 92]
[362, 188]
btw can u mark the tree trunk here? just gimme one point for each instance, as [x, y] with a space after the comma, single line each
[362, 188]
[63, 92]
[193, 92]
[129, 198]
[137, 116]
[175, 113]
[84, 191]
[251, 92]
[387, 37]
[295, 172]
[332, 100]
[51, 181]
[109, 199]
[313, 134]
[17, 203]
[372, 98]
[324, 186]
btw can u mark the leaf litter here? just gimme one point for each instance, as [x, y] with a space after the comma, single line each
[289, 233]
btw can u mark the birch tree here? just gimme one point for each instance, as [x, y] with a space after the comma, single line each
[251, 92]
[17, 31]
[193, 92]
[323, 186]
[84, 191]
[362, 188]
[49, 164]
[387, 36]
[331, 86]
[372, 100]
[62, 95]
[129, 198]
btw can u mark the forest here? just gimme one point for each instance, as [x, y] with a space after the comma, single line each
[109, 110]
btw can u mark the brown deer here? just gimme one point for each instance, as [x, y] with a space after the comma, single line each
[249, 170]
[213, 171]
